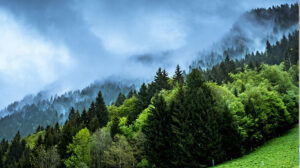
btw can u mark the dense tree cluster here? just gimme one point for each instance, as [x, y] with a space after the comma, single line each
[26, 115]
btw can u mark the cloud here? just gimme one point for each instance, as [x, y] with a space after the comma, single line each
[27, 60]
[72, 43]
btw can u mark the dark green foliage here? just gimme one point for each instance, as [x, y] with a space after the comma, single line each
[85, 118]
[67, 133]
[161, 80]
[114, 127]
[142, 102]
[15, 150]
[180, 131]
[209, 126]
[131, 94]
[157, 134]
[120, 100]
[43, 112]
[187, 124]
[94, 124]
[101, 110]
[178, 77]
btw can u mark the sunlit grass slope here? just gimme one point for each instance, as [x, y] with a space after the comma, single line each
[279, 152]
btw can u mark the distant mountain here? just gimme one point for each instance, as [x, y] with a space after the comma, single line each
[42, 109]
[250, 33]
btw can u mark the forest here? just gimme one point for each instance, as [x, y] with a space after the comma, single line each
[196, 120]
[221, 109]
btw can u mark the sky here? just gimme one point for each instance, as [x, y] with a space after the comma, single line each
[65, 45]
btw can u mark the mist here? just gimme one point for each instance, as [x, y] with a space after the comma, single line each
[65, 45]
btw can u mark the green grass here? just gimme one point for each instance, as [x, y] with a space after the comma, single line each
[279, 152]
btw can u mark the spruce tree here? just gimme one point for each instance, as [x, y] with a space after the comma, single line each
[84, 118]
[142, 102]
[121, 98]
[178, 75]
[205, 142]
[180, 131]
[101, 110]
[158, 134]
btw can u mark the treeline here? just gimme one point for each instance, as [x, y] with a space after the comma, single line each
[257, 25]
[285, 50]
[178, 121]
[26, 115]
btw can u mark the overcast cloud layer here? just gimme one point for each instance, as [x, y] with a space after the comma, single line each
[69, 44]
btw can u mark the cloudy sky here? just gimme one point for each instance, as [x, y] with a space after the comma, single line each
[69, 44]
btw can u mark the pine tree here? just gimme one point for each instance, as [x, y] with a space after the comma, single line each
[180, 131]
[161, 80]
[268, 48]
[15, 150]
[101, 110]
[158, 134]
[205, 142]
[131, 94]
[142, 102]
[178, 75]
[84, 118]
[121, 98]
[66, 137]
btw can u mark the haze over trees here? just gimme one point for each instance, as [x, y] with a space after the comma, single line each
[200, 119]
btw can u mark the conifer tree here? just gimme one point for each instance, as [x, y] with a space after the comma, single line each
[205, 142]
[158, 134]
[121, 98]
[101, 110]
[142, 102]
[84, 118]
[180, 131]
[178, 75]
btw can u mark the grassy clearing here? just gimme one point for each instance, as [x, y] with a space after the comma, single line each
[279, 152]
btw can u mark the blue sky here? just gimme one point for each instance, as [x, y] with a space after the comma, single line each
[68, 44]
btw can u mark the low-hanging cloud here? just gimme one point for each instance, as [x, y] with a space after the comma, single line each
[72, 43]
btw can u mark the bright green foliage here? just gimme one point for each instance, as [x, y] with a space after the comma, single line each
[279, 152]
[79, 150]
[169, 95]
[31, 139]
[125, 109]
[284, 84]
[143, 164]
[263, 94]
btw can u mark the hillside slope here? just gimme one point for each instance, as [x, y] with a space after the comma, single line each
[279, 152]
[26, 115]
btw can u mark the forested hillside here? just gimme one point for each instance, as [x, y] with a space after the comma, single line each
[250, 33]
[208, 117]
[43, 109]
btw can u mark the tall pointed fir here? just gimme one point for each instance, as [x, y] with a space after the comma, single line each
[178, 77]
[101, 110]
[121, 98]
[205, 142]
[158, 134]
